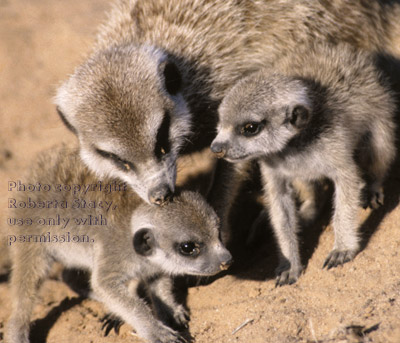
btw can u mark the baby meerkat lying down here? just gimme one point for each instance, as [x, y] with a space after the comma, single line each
[140, 244]
[326, 112]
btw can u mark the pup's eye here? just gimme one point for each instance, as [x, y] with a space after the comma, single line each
[252, 128]
[189, 249]
[119, 162]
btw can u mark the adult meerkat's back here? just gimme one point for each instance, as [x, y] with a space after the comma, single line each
[150, 89]
[133, 242]
[325, 112]
[151, 86]
[300, 23]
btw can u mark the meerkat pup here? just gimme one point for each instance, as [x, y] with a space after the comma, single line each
[325, 112]
[134, 242]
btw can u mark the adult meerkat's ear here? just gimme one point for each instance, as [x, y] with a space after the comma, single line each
[65, 102]
[172, 77]
[144, 242]
[65, 121]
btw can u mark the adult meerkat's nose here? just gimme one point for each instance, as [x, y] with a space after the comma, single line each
[160, 194]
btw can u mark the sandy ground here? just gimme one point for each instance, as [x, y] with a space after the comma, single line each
[40, 43]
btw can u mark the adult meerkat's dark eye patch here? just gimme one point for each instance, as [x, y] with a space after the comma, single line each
[119, 162]
[163, 145]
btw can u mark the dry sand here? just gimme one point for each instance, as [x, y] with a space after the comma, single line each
[41, 42]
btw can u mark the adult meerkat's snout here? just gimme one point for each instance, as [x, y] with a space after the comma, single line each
[161, 194]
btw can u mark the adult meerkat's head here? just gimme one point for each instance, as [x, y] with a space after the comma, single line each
[126, 106]
[260, 115]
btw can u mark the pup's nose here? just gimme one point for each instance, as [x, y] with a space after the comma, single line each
[160, 194]
[218, 149]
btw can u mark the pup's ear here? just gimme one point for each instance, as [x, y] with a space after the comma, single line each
[65, 121]
[299, 116]
[172, 77]
[144, 242]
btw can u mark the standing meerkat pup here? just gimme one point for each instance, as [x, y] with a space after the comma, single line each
[150, 89]
[139, 243]
[326, 112]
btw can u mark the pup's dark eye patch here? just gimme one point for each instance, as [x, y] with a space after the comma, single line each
[119, 162]
[163, 145]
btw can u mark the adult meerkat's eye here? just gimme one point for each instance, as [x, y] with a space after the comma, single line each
[119, 162]
[189, 249]
[252, 128]
[127, 166]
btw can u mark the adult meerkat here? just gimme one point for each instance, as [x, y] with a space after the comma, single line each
[326, 112]
[139, 243]
[151, 87]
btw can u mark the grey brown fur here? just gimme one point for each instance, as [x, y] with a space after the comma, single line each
[117, 100]
[139, 244]
[325, 112]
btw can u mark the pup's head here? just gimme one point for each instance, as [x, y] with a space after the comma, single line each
[126, 107]
[181, 237]
[260, 115]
